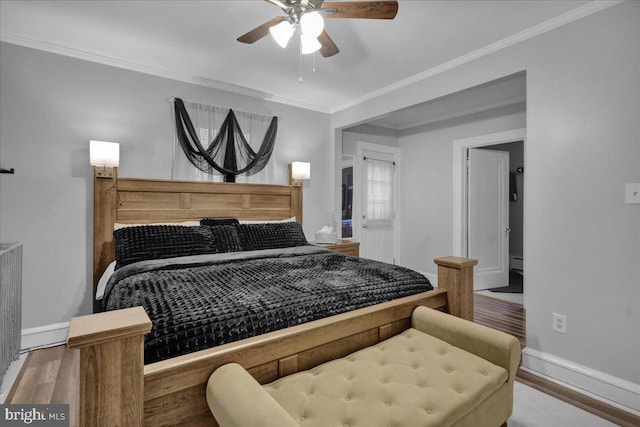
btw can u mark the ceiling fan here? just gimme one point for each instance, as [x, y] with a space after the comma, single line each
[308, 15]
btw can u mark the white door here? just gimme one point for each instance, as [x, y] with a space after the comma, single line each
[488, 216]
[377, 209]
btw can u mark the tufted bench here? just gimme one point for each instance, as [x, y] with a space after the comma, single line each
[444, 371]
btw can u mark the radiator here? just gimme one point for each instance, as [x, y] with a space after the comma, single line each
[10, 303]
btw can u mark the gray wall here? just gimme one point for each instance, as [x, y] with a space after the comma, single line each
[367, 133]
[51, 106]
[426, 183]
[581, 240]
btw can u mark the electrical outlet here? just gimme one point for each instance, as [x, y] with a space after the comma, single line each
[632, 193]
[559, 323]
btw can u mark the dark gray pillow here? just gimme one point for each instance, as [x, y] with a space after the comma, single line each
[147, 242]
[271, 235]
[219, 221]
[225, 238]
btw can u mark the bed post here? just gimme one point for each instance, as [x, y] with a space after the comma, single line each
[111, 366]
[104, 216]
[455, 275]
[296, 196]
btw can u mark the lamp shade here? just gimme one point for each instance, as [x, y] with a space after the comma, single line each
[102, 153]
[312, 24]
[310, 44]
[300, 170]
[282, 32]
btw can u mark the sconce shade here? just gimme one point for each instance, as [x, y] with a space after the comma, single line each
[301, 170]
[102, 153]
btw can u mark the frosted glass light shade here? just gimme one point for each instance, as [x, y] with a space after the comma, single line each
[300, 170]
[310, 44]
[312, 24]
[102, 153]
[282, 32]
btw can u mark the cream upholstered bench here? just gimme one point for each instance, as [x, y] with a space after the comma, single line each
[444, 371]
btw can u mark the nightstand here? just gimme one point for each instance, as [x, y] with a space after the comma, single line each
[347, 247]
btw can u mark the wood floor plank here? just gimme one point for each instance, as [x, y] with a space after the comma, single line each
[502, 315]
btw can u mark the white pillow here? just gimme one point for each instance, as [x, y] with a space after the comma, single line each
[267, 221]
[102, 283]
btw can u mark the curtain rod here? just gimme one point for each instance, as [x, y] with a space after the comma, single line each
[173, 98]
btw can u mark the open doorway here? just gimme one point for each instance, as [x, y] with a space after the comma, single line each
[513, 143]
[514, 289]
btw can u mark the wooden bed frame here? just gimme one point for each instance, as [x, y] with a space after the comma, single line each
[116, 388]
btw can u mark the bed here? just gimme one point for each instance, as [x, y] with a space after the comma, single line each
[167, 386]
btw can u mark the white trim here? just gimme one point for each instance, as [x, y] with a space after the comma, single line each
[459, 183]
[154, 71]
[536, 30]
[518, 102]
[553, 23]
[606, 388]
[44, 336]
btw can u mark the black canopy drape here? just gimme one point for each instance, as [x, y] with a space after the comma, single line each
[229, 153]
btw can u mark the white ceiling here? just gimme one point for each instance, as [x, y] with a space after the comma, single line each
[196, 41]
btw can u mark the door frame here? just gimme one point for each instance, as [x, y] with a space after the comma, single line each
[357, 194]
[460, 147]
[349, 161]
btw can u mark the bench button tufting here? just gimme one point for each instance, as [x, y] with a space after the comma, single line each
[388, 403]
[429, 411]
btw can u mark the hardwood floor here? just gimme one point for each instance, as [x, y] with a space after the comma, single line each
[51, 375]
[503, 315]
[48, 375]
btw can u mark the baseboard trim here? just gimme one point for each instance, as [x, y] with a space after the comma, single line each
[614, 391]
[44, 336]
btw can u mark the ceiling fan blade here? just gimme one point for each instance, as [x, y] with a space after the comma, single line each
[362, 9]
[328, 48]
[261, 31]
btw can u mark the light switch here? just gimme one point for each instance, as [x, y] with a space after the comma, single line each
[632, 193]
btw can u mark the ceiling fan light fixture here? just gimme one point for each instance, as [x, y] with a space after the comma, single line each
[282, 33]
[310, 44]
[312, 24]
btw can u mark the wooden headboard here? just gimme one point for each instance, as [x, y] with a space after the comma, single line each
[136, 201]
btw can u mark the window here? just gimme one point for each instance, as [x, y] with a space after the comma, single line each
[379, 194]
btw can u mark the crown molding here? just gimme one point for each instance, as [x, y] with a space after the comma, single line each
[536, 30]
[154, 71]
[568, 17]
[300, 104]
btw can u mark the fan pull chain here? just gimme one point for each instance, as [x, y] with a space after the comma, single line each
[314, 63]
[300, 79]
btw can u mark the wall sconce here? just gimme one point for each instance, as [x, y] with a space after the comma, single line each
[104, 156]
[299, 171]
